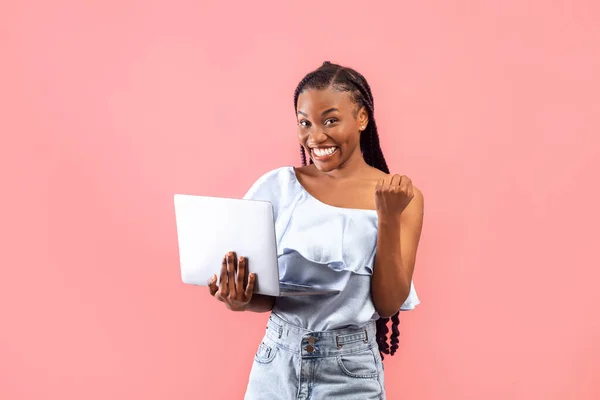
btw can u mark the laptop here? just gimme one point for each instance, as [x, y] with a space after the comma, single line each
[210, 227]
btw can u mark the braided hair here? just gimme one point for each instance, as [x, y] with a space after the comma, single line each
[345, 79]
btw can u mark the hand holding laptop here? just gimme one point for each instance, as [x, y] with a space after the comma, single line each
[236, 283]
[208, 227]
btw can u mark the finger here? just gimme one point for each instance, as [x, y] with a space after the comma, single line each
[231, 272]
[250, 287]
[241, 274]
[212, 285]
[396, 180]
[247, 272]
[223, 288]
[379, 185]
[405, 184]
[411, 191]
[387, 181]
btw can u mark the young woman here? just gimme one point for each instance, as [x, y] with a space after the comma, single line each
[342, 222]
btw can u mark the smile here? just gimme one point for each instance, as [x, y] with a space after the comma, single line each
[323, 153]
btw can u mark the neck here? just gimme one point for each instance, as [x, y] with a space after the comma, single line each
[352, 167]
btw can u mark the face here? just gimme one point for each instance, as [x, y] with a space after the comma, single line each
[329, 126]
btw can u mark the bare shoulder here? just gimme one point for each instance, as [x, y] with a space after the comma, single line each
[416, 207]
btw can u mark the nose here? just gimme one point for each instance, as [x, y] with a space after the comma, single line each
[316, 135]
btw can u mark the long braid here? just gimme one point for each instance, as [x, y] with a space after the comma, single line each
[302, 155]
[395, 333]
[347, 79]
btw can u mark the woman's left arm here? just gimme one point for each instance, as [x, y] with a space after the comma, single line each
[400, 208]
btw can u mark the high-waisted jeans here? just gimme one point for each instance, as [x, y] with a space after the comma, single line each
[295, 363]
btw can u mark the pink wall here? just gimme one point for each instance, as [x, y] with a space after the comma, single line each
[107, 109]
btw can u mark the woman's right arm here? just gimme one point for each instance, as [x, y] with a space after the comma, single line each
[231, 290]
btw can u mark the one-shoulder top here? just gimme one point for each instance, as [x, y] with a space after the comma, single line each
[323, 246]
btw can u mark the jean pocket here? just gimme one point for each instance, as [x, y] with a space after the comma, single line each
[265, 353]
[359, 365]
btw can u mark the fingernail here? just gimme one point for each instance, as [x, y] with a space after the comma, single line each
[241, 258]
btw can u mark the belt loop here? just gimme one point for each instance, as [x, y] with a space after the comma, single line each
[366, 340]
[280, 331]
[339, 346]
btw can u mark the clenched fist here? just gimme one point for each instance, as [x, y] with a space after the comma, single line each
[392, 195]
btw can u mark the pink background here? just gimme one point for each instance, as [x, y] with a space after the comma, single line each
[108, 108]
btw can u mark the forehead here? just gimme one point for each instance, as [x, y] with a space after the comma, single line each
[314, 101]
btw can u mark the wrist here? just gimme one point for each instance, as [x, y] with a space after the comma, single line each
[389, 220]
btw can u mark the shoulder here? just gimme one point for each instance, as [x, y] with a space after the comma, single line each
[276, 174]
[415, 210]
[417, 195]
[269, 184]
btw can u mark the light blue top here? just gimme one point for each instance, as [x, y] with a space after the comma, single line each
[325, 247]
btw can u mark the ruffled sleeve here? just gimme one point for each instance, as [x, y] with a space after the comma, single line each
[268, 188]
[412, 301]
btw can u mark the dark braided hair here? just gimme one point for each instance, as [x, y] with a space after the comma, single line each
[345, 79]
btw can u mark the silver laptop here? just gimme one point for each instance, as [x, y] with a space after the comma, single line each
[209, 227]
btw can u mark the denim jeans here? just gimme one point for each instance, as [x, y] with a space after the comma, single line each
[294, 363]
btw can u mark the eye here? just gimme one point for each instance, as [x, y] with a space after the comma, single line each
[330, 121]
[304, 123]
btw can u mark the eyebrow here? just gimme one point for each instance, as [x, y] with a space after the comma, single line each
[323, 113]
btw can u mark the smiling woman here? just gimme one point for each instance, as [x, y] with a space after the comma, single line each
[340, 125]
[342, 222]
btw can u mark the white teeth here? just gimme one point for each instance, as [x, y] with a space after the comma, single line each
[323, 152]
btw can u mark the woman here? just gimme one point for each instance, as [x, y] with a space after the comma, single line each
[342, 222]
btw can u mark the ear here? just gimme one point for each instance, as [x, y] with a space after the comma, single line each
[362, 118]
